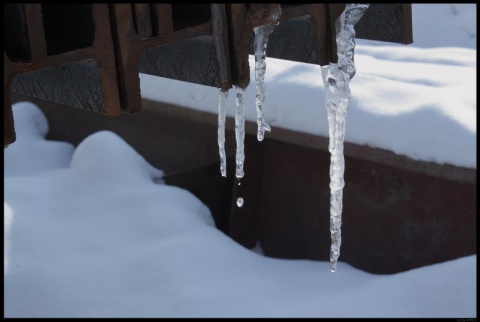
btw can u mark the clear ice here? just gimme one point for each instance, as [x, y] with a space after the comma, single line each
[336, 78]
[240, 131]
[260, 49]
[222, 102]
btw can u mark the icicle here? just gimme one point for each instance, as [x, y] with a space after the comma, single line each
[222, 102]
[336, 78]
[260, 48]
[240, 131]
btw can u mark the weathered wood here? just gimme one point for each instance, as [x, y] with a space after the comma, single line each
[142, 19]
[163, 19]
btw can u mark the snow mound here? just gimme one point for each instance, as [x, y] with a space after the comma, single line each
[30, 123]
[31, 154]
[106, 155]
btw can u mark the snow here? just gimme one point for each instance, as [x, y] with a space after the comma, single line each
[93, 231]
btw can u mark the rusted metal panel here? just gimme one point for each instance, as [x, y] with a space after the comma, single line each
[220, 38]
[127, 55]
[162, 13]
[206, 44]
[36, 32]
[69, 57]
[143, 23]
[236, 18]
[190, 46]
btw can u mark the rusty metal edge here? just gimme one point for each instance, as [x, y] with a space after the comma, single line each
[220, 37]
[317, 142]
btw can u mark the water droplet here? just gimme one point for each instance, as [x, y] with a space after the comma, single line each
[239, 183]
[240, 202]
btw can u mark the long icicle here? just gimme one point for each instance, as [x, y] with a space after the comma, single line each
[222, 102]
[240, 131]
[336, 78]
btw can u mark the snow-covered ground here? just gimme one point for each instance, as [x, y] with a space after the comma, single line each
[93, 231]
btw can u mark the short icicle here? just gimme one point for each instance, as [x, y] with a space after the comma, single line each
[222, 102]
[336, 78]
[260, 49]
[240, 131]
